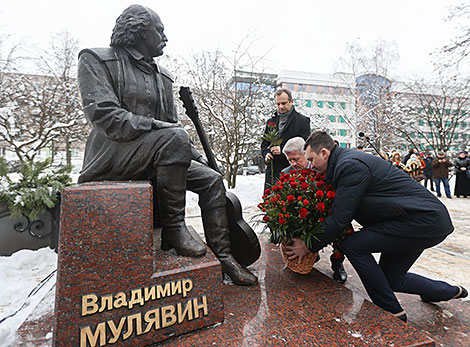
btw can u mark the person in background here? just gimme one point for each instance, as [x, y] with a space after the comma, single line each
[441, 167]
[395, 157]
[428, 171]
[410, 152]
[396, 161]
[289, 123]
[462, 175]
[295, 154]
[414, 167]
[399, 218]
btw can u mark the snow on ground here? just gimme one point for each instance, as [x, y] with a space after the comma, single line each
[23, 271]
[20, 274]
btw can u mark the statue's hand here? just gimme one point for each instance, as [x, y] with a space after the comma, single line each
[158, 124]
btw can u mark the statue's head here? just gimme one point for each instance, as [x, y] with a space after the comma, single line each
[141, 28]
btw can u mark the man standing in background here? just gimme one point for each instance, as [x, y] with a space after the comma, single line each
[288, 123]
[441, 167]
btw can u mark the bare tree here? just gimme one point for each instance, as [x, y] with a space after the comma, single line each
[233, 100]
[459, 49]
[37, 111]
[61, 63]
[434, 114]
[366, 76]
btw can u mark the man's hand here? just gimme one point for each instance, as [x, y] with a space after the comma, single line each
[276, 150]
[297, 250]
[158, 124]
[268, 158]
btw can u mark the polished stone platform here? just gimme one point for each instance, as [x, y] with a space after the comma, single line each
[287, 309]
[113, 287]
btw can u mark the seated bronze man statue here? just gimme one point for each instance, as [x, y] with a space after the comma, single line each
[128, 99]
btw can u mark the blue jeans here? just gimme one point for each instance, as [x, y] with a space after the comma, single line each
[444, 181]
[391, 274]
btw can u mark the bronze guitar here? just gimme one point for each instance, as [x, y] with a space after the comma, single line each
[245, 245]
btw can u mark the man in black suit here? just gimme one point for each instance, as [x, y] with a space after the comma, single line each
[289, 123]
[399, 217]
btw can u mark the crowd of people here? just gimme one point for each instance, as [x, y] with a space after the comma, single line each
[427, 169]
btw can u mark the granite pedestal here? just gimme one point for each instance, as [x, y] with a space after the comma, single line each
[113, 285]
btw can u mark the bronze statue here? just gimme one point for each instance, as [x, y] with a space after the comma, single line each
[128, 99]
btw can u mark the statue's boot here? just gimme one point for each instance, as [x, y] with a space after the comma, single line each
[218, 239]
[171, 194]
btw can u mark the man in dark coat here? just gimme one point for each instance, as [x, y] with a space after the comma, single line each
[289, 123]
[441, 167]
[399, 217]
[428, 171]
[128, 99]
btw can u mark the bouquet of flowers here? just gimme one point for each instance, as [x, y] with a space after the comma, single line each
[272, 136]
[294, 207]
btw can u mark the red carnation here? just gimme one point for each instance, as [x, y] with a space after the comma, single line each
[294, 185]
[282, 220]
[265, 218]
[304, 186]
[305, 202]
[319, 194]
[320, 206]
[320, 184]
[303, 213]
[330, 194]
[290, 198]
[267, 191]
[321, 219]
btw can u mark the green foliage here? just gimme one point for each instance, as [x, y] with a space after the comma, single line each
[36, 189]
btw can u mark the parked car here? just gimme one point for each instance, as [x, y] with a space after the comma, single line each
[250, 170]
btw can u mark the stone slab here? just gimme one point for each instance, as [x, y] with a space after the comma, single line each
[287, 309]
[113, 286]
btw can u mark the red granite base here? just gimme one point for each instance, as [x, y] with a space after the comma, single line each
[111, 285]
[287, 309]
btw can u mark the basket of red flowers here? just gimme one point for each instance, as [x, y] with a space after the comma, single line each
[295, 207]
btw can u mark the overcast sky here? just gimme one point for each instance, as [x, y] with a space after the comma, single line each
[300, 35]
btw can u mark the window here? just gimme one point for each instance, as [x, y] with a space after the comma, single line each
[342, 105]
[3, 151]
[331, 104]
[320, 104]
[342, 132]
[309, 103]
[421, 122]
[341, 119]
[332, 119]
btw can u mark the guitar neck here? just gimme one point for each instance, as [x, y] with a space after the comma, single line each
[205, 145]
[191, 111]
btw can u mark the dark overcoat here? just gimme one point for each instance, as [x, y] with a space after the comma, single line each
[297, 125]
[381, 198]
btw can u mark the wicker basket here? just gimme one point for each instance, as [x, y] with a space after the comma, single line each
[303, 267]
